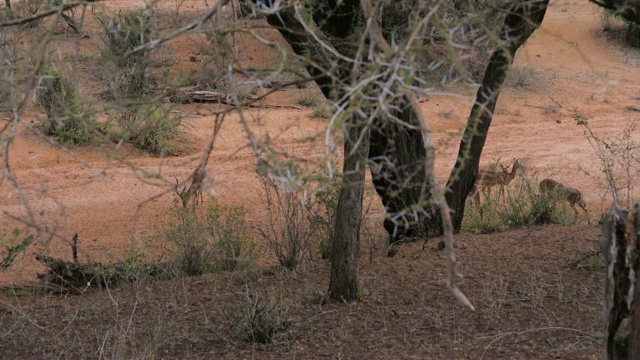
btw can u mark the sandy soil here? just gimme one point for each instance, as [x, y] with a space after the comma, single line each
[578, 75]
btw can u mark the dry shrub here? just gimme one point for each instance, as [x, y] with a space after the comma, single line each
[214, 239]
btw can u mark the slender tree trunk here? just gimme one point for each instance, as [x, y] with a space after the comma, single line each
[522, 20]
[8, 3]
[343, 285]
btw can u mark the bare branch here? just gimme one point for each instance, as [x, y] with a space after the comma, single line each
[56, 10]
[154, 43]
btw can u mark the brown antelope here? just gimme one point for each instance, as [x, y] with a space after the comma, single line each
[571, 195]
[489, 178]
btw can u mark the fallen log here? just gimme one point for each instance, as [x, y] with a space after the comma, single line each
[192, 95]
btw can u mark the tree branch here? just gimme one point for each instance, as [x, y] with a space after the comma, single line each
[154, 43]
[56, 10]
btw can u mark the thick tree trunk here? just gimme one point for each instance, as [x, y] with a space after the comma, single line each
[621, 250]
[343, 285]
[397, 155]
[520, 23]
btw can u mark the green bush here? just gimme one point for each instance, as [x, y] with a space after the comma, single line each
[13, 245]
[522, 206]
[211, 240]
[67, 120]
[152, 129]
[325, 217]
[463, 34]
[123, 33]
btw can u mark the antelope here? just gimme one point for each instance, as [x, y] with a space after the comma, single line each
[571, 195]
[489, 178]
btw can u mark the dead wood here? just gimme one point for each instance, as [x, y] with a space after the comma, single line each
[621, 233]
[192, 95]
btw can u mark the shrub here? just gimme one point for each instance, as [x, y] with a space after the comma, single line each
[14, 246]
[67, 122]
[309, 100]
[520, 77]
[620, 28]
[620, 163]
[125, 32]
[291, 225]
[325, 216]
[152, 129]
[522, 206]
[442, 57]
[23, 9]
[260, 319]
[323, 111]
[122, 34]
[216, 239]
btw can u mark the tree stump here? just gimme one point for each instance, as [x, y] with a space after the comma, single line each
[621, 233]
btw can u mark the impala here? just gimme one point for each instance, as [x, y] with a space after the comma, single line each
[571, 195]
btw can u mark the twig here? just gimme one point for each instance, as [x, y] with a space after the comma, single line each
[162, 40]
[517, 333]
[57, 10]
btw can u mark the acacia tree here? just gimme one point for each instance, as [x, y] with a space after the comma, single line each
[397, 153]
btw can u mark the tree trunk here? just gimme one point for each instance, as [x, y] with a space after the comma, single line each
[621, 250]
[632, 35]
[343, 285]
[521, 22]
[8, 3]
[397, 155]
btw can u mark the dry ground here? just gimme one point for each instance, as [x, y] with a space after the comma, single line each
[531, 303]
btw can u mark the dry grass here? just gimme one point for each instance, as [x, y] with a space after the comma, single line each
[530, 304]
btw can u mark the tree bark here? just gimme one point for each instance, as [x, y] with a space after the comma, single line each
[397, 157]
[343, 285]
[620, 247]
[522, 20]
